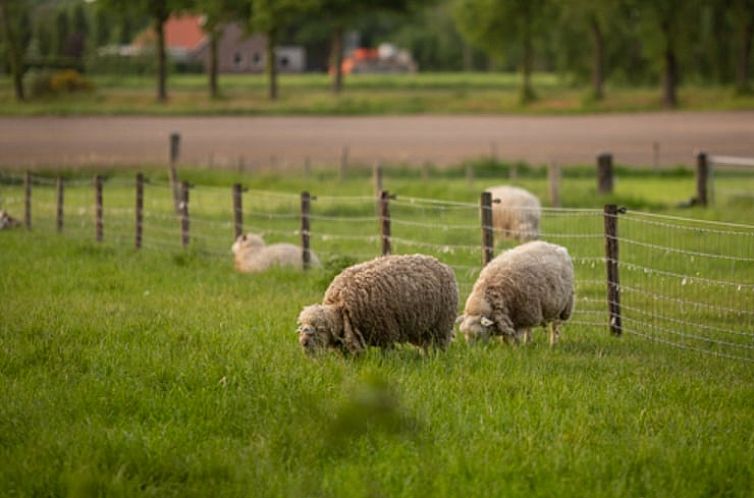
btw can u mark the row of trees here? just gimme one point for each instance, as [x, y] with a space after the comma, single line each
[638, 39]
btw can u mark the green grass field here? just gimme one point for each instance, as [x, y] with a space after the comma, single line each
[165, 373]
[439, 93]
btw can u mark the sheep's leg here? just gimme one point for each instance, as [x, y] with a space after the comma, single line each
[554, 332]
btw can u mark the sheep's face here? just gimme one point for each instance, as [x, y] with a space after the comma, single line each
[247, 242]
[476, 328]
[315, 329]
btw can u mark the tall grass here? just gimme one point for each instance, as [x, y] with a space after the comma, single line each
[165, 373]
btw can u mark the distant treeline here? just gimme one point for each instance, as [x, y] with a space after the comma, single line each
[626, 42]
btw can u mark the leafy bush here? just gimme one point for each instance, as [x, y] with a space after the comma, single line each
[66, 81]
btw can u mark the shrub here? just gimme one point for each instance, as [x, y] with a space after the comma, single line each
[48, 83]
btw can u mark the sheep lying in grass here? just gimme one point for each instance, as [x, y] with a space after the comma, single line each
[7, 221]
[517, 214]
[388, 300]
[527, 286]
[252, 255]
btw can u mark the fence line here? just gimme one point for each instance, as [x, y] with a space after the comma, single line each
[683, 282]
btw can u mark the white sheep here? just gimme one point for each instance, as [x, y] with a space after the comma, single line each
[388, 300]
[517, 214]
[8, 221]
[524, 287]
[252, 255]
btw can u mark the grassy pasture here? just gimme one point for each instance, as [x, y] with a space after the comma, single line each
[163, 372]
[438, 93]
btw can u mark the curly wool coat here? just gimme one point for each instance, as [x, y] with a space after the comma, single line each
[517, 214]
[527, 286]
[252, 255]
[388, 300]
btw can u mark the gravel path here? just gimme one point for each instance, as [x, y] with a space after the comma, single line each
[287, 141]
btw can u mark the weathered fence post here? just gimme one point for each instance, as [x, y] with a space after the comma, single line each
[344, 163]
[385, 222]
[184, 210]
[59, 203]
[605, 173]
[611, 258]
[139, 209]
[485, 209]
[27, 200]
[554, 176]
[702, 175]
[175, 153]
[306, 256]
[237, 210]
[98, 211]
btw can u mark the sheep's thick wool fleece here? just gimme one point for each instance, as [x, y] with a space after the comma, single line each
[531, 284]
[397, 299]
[517, 214]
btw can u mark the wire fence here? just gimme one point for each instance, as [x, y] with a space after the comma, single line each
[731, 177]
[684, 283]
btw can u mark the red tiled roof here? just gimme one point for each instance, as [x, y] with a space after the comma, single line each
[183, 32]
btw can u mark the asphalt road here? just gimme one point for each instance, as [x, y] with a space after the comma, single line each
[283, 142]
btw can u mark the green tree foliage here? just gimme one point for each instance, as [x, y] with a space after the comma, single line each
[62, 31]
[103, 27]
[494, 25]
[741, 15]
[16, 27]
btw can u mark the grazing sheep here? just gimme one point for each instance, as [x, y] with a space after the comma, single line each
[517, 214]
[388, 300]
[8, 221]
[527, 286]
[252, 255]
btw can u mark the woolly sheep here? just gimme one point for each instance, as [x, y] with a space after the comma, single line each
[252, 255]
[517, 214]
[7, 221]
[388, 300]
[527, 286]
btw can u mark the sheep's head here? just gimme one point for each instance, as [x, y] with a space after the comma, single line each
[318, 328]
[476, 327]
[246, 242]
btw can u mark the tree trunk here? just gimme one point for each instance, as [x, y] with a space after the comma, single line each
[162, 94]
[670, 80]
[744, 56]
[15, 55]
[598, 68]
[527, 92]
[214, 42]
[336, 59]
[272, 67]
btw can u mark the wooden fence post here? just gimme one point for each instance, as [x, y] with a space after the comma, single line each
[554, 176]
[605, 173]
[27, 200]
[175, 153]
[59, 202]
[306, 256]
[184, 210]
[344, 163]
[611, 252]
[702, 175]
[237, 210]
[385, 222]
[139, 209]
[485, 210]
[98, 211]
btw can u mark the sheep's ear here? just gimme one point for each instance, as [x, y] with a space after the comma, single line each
[243, 237]
[486, 322]
[460, 319]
